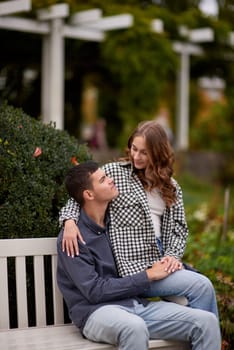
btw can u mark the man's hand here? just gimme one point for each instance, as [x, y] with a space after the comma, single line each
[70, 235]
[158, 271]
[172, 264]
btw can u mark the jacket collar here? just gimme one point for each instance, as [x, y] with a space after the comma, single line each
[91, 224]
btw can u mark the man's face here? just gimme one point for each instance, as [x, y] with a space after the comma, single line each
[104, 188]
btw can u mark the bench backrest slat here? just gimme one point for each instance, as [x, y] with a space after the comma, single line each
[39, 280]
[21, 291]
[4, 299]
[20, 249]
[57, 296]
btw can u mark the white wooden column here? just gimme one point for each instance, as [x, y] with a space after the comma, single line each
[182, 127]
[52, 93]
[186, 49]
[45, 81]
[183, 79]
[56, 73]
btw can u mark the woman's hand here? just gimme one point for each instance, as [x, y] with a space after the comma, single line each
[70, 235]
[171, 263]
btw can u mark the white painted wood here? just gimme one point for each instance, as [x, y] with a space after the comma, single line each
[56, 73]
[21, 291]
[24, 25]
[51, 25]
[231, 39]
[63, 337]
[39, 281]
[57, 296]
[27, 246]
[54, 11]
[201, 35]
[83, 17]
[157, 25]
[45, 80]
[183, 75]
[4, 300]
[112, 22]
[83, 33]
[13, 6]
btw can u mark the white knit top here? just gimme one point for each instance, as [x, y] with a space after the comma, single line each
[157, 206]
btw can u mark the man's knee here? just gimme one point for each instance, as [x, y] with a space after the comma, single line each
[137, 326]
[135, 334]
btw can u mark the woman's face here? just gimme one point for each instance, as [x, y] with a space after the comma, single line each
[139, 153]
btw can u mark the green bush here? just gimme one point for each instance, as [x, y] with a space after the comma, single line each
[34, 159]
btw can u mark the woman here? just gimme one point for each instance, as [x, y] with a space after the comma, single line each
[147, 219]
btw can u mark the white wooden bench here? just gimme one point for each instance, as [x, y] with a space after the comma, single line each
[40, 336]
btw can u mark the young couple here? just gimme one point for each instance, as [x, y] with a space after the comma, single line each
[145, 224]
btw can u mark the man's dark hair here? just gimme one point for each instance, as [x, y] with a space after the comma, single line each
[78, 180]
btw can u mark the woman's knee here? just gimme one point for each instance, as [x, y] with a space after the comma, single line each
[207, 284]
[211, 321]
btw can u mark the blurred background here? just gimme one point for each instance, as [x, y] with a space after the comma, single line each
[97, 68]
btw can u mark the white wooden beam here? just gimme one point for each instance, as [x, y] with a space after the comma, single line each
[82, 33]
[84, 17]
[52, 12]
[201, 35]
[108, 23]
[13, 6]
[24, 25]
[36, 27]
[185, 47]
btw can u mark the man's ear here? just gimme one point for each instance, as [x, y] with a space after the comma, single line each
[88, 195]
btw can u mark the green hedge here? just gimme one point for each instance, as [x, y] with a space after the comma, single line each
[34, 159]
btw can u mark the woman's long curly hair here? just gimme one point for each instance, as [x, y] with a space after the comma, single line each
[159, 170]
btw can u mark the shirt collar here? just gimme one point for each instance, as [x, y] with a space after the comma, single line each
[92, 225]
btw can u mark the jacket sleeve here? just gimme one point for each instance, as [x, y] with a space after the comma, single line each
[70, 211]
[176, 228]
[95, 288]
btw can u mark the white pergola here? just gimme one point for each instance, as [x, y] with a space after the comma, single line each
[185, 50]
[50, 24]
[189, 46]
[90, 25]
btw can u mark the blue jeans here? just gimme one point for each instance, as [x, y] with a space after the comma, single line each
[196, 287]
[131, 327]
[188, 283]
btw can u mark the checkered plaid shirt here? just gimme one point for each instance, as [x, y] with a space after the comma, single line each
[131, 228]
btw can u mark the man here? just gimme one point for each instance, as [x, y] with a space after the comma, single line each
[106, 307]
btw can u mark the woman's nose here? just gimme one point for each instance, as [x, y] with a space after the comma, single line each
[136, 156]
